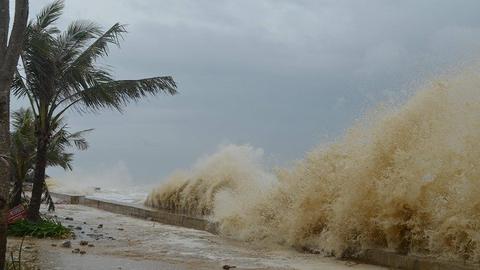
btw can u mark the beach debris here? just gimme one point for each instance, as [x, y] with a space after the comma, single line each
[78, 228]
[350, 264]
[83, 243]
[91, 245]
[95, 236]
[82, 252]
[310, 250]
[77, 250]
[226, 266]
[54, 245]
[67, 244]
[100, 226]
[69, 218]
[120, 229]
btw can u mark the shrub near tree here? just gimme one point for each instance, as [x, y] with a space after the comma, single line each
[59, 73]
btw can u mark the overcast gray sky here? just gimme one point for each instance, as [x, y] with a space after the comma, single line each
[279, 75]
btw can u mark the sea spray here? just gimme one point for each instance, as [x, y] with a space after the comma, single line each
[109, 183]
[233, 169]
[405, 178]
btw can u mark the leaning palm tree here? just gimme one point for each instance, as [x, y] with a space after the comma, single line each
[23, 151]
[60, 72]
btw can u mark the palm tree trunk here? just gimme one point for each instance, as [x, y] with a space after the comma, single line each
[38, 177]
[9, 53]
[4, 164]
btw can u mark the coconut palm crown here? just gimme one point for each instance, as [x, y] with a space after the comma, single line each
[59, 72]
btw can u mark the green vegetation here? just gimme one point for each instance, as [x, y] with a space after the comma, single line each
[59, 72]
[40, 229]
[23, 152]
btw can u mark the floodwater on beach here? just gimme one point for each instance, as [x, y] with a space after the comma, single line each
[129, 243]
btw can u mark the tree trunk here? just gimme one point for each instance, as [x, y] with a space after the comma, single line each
[10, 48]
[4, 167]
[38, 177]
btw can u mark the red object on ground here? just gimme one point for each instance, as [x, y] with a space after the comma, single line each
[17, 213]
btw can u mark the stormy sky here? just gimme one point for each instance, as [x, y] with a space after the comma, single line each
[279, 75]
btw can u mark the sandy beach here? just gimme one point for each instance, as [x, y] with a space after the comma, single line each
[120, 242]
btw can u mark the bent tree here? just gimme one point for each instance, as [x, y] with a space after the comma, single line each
[60, 73]
[10, 47]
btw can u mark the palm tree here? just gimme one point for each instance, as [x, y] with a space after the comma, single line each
[23, 151]
[11, 39]
[60, 73]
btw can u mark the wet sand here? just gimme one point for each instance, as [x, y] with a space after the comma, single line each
[128, 243]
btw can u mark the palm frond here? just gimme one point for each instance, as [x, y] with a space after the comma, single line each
[21, 119]
[116, 94]
[50, 14]
[99, 48]
[19, 87]
[71, 42]
[78, 140]
[60, 159]
[47, 198]
[38, 62]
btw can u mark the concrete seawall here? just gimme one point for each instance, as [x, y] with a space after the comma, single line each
[143, 212]
[371, 256]
[409, 262]
[140, 211]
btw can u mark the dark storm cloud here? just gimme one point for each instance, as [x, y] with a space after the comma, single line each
[277, 74]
